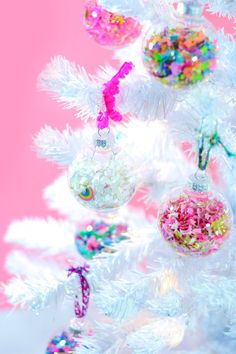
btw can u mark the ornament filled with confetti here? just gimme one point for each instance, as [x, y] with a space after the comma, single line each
[98, 236]
[103, 182]
[180, 56]
[195, 221]
[63, 343]
[110, 29]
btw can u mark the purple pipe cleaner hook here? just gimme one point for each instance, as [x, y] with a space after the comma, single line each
[81, 312]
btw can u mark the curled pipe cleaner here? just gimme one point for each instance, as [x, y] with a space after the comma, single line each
[111, 89]
[80, 312]
[212, 141]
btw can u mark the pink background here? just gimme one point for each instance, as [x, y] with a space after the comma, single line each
[31, 33]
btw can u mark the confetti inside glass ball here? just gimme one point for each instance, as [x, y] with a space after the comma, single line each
[63, 343]
[195, 223]
[103, 183]
[180, 56]
[98, 236]
[110, 29]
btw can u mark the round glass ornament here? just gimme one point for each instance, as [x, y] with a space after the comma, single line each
[110, 29]
[103, 180]
[182, 54]
[195, 220]
[98, 236]
[63, 343]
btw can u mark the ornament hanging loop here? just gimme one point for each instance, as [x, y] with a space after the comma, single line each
[111, 89]
[101, 132]
[204, 154]
[104, 140]
[199, 182]
[81, 311]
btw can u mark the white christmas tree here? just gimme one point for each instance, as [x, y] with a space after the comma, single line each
[175, 90]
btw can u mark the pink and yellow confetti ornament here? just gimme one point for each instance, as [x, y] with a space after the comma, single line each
[110, 29]
[195, 221]
[180, 56]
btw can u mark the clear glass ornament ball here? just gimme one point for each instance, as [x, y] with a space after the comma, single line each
[180, 55]
[103, 182]
[195, 220]
[110, 29]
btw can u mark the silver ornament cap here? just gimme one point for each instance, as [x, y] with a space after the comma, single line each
[190, 8]
[104, 140]
[77, 327]
[199, 182]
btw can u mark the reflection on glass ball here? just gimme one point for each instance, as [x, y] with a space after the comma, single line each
[103, 183]
[110, 29]
[180, 56]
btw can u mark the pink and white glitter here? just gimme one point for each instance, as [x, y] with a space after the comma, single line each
[195, 223]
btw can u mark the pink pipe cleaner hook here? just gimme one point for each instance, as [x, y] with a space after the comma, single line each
[80, 312]
[111, 89]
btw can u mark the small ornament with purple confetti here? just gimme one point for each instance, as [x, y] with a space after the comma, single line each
[63, 343]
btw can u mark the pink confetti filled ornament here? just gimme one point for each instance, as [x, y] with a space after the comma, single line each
[110, 29]
[195, 223]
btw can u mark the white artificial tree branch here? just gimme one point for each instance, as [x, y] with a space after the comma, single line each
[222, 7]
[59, 147]
[70, 85]
[49, 236]
[59, 198]
[41, 289]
